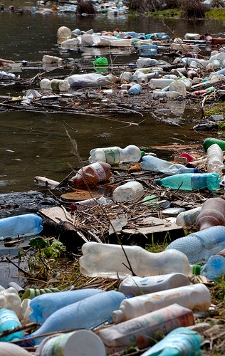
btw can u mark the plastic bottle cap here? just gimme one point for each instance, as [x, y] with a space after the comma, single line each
[117, 316]
[142, 153]
[196, 269]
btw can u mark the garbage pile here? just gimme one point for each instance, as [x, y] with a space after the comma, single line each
[161, 299]
[188, 71]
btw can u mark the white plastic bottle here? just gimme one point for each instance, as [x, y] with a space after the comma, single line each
[195, 297]
[130, 191]
[135, 285]
[215, 159]
[115, 155]
[155, 164]
[109, 260]
[188, 218]
[159, 83]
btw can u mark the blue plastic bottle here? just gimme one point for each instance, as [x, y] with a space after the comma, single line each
[214, 267]
[9, 321]
[191, 181]
[85, 314]
[155, 164]
[136, 89]
[21, 225]
[46, 304]
[179, 342]
[201, 245]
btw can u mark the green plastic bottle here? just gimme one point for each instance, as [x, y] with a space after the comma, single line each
[210, 141]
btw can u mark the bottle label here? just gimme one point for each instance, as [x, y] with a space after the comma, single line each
[112, 155]
[8, 316]
[199, 181]
[99, 171]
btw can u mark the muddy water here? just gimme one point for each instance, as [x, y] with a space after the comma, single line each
[36, 143]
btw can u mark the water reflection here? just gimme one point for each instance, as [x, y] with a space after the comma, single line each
[36, 143]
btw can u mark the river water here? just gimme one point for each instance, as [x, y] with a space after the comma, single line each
[36, 143]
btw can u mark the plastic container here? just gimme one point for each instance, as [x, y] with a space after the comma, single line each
[146, 62]
[212, 214]
[92, 174]
[136, 89]
[155, 164]
[85, 343]
[210, 141]
[9, 321]
[179, 342]
[10, 299]
[215, 159]
[160, 83]
[109, 261]
[44, 305]
[60, 85]
[135, 285]
[115, 155]
[21, 225]
[45, 84]
[188, 218]
[47, 59]
[85, 314]
[144, 330]
[201, 245]
[214, 267]
[191, 181]
[179, 87]
[130, 191]
[87, 203]
[9, 349]
[63, 33]
[195, 297]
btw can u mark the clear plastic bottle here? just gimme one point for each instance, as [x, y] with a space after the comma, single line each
[195, 297]
[215, 159]
[109, 261]
[179, 342]
[130, 191]
[44, 305]
[214, 267]
[200, 245]
[136, 89]
[188, 218]
[92, 174]
[85, 314]
[191, 181]
[9, 321]
[135, 285]
[144, 330]
[10, 299]
[155, 164]
[20, 225]
[212, 214]
[115, 155]
[87, 203]
[160, 83]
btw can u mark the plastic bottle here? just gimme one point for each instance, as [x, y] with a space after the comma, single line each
[115, 155]
[92, 174]
[214, 267]
[188, 218]
[215, 159]
[144, 330]
[21, 225]
[85, 314]
[85, 342]
[146, 62]
[210, 141]
[179, 342]
[160, 83]
[44, 305]
[155, 164]
[212, 214]
[138, 286]
[9, 321]
[130, 191]
[45, 84]
[87, 203]
[136, 89]
[109, 260]
[203, 91]
[195, 297]
[200, 245]
[10, 299]
[191, 181]
[10, 349]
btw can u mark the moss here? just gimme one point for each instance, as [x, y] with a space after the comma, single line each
[217, 109]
